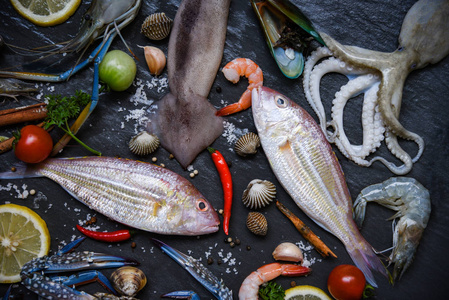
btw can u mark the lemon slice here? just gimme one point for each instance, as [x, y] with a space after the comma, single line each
[46, 12]
[305, 292]
[23, 236]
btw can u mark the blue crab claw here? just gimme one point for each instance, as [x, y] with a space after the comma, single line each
[287, 32]
[191, 295]
[197, 270]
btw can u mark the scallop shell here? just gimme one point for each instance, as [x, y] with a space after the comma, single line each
[257, 223]
[156, 26]
[128, 281]
[247, 144]
[143, 143]
[259, 193]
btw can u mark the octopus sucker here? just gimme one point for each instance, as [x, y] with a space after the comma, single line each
[423, 40]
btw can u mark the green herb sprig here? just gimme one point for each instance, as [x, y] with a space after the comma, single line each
[272, 291]
[61, 109]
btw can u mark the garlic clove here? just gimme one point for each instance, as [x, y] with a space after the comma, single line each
[288, 252]
[155, 59]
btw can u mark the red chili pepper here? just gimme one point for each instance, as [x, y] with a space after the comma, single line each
[114, 236]
[226, 182]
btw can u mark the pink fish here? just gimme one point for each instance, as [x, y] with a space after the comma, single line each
[305, 165]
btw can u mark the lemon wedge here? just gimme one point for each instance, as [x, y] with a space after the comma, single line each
[305, 292]
[46, 12]
[23, 236]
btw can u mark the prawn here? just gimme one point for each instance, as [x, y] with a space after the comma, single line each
[233, 71]
[250, 286]
[13, 88]
[411, 200]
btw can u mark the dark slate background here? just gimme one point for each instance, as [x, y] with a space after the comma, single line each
[373, 25]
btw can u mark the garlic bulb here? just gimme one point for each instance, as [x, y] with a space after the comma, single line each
[288, 252]
[155, 59]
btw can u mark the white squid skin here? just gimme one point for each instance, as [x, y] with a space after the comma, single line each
[424, 39]
[411, 200]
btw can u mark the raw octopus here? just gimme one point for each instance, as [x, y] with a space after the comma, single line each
[424, 39]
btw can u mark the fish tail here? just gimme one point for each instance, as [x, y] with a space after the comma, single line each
[366, 260]
[21, 170]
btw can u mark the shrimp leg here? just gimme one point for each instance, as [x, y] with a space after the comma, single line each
[232, 71]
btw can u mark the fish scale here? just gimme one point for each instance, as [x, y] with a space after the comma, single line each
[307, 168]
[138, 194]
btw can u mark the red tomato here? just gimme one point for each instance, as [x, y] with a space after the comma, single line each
[34, 144]
[346, 282]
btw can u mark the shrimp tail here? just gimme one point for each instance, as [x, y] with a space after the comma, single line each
[22, 170]
[366, 260]
[244, 103]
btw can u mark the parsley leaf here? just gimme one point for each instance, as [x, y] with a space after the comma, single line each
[272, 291]
[61, 109]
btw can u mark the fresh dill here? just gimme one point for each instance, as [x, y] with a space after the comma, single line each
[61, 109]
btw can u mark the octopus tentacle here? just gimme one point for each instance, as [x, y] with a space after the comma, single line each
[316, 104]
[372, 127]
[390, 97]
[393, 145]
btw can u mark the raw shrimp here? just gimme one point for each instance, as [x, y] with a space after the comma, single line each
[232, 71]
[411, 200]
[250, 286]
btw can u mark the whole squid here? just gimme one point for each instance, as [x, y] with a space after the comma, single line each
[185, 121]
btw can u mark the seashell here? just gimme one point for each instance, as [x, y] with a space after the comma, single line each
[288, 252]
[257, 223]
[156, 26]
[247, 144]
[143, 143]
[128, 281]
[259, 193]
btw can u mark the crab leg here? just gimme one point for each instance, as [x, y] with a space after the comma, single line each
[84, 278]
[197, 270]
[190, 295]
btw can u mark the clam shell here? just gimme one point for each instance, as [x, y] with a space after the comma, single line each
[247, 144]
[156, 26]
[128, 281]
[143, 143]
[257, 223]
[259, 193]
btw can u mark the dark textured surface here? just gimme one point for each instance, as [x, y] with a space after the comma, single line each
[374, 25]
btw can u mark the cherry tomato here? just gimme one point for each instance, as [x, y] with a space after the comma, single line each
[34, 144]
[346, 282]
[117, 70]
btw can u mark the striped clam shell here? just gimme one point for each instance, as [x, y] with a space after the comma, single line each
[257, 223]
[156, 26]
[143, 143]
[247, 144]
[259, 193]
[128, 280]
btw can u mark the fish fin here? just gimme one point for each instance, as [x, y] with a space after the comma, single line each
[22, 170]
[366, 260]
[185, 126]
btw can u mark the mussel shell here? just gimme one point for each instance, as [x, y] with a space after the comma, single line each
[143, 143]
[257, 223]
[247, 144]
[276, 15]
[258, 194]
[156, 26]
[128, 280]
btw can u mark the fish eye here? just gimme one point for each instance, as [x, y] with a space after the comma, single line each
[201, 205]
[281, 102]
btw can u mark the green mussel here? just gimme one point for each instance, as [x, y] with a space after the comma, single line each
[288, 33]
